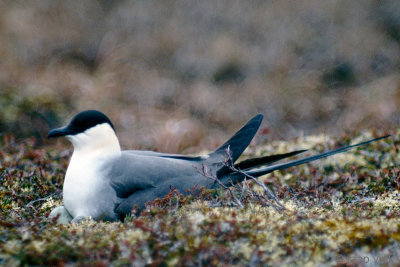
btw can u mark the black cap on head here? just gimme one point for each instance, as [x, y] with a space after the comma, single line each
[81, 122]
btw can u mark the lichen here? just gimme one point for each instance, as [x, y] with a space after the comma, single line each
[338, 211]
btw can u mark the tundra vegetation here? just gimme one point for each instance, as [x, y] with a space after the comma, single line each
[340, 210]
[180, 76]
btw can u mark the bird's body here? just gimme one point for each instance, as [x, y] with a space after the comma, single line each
[105, 183]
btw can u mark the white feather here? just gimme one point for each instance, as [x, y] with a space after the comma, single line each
[83, 180]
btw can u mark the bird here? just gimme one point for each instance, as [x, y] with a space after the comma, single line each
[103, 182]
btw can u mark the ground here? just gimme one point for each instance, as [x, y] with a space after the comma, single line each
[342, 210]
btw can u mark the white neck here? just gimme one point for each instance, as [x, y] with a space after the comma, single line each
[99, 140]
[84, 178]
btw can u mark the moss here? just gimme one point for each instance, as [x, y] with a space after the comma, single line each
[330, 216]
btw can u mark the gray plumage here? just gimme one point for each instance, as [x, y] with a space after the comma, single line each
[131, 178]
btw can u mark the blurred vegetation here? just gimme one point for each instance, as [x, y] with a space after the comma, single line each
[180, 76]
[167, 70]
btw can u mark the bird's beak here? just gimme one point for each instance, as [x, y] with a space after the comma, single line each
[63, 131]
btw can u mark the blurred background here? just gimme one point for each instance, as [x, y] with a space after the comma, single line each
[176, 75]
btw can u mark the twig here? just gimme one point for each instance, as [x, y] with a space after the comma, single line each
[30, 204]
[206, 172]
[228, 163]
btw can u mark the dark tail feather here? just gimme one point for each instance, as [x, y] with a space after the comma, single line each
[238, 143]
[256, 162]
[282, 166]
[256, 173]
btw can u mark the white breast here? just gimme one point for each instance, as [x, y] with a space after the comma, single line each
[84, 181]
[81, 183]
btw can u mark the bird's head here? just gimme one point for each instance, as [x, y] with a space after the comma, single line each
[89, 130]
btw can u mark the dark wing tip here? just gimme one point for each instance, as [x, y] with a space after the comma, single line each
[258, 117]
[266, 160]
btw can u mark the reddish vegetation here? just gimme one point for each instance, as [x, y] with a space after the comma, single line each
[333, 213]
